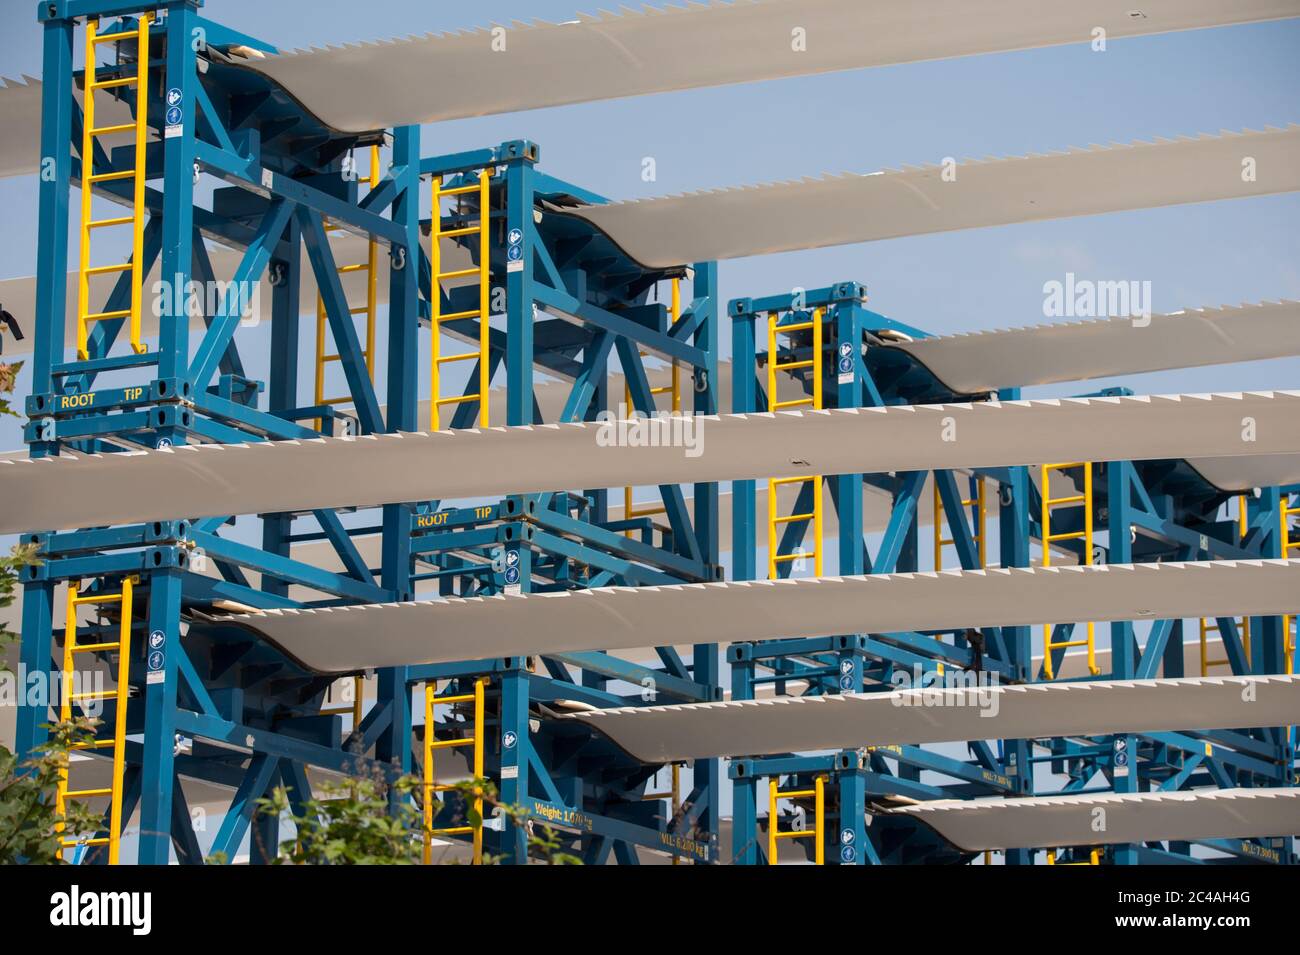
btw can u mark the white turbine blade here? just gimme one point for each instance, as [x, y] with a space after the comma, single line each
[475, 73]
[1070, 820]
[219, 479]
[669, 734]
[842, 210]
[979, 362]
[614, 618]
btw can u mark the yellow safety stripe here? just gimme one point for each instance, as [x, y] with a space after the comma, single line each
[89, 133]
[120, 695]
[484, 271]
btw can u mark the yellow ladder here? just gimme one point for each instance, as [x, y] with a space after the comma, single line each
[352, 709]
[436, 399]
[1208, 627]
[432, 744]
[1094, 858]
[775, 833]
[1289, 628]
[674, 389]
[775, 520]
[674, 795]
[120, 694]
[1085, 535]
[89, 133]
[370, 267]
[980, 503]
[1289, 543]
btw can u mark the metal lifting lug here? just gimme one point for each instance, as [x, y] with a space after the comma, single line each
[397, 255]
[701, 380]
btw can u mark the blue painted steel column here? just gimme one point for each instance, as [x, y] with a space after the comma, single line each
[178, 197]
[51, 307]
[55, 181]
[1123, 648]
[1013, 543]
[744, 566]
[394, 745]
[519, 285]
[515, 746]
[159, 769]
[707, 669]
[282, 388]
[849, 393]
[848, 844]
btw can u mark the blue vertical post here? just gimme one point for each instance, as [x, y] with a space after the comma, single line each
[1013, 542]
[178, 195]
[519, 282]
[159, 763]
[51, 306]
[847, 844]
[283, 387]
[707, 670]
[849, 393]
[1123, 648]
[744, 813]
[394, 745]
[515, 746]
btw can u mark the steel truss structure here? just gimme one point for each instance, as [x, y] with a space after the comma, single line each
[1141, 511]
[516, 281]
[574, 305]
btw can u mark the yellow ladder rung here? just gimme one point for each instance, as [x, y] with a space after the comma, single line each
[459, 190]
[459, 400]
[453, 831]
[1067, 643]
[796, 480]
[797, 834]
[95, 647]
[778, 405]
[797, 555]
[793, 518]
[110, 37]
[334, 401]
[104, 223]
[797, 327]
[1064, 536]
[105, 269]
[94, 744]
[463, 230]
[110, 176]
[458, 273]
[1072, 499]
[467, 356]
[110, 130]
[789, 365]
[93, 695]
[358, 267]
[462, 698]
[795, 793]
[472, 313]
[1065, 464]
[84, 793]
[97, 599]
[112, 84]
[74, 843]
[452, 743]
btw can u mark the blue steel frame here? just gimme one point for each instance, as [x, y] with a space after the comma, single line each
[218, 685]
[1168, 510]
